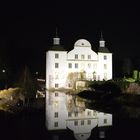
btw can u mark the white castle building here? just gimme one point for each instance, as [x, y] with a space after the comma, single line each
[64, 68]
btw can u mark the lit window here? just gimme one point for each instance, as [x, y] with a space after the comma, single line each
[56, 55]
[56, 93]
[56, 76]
[88, 122]
[89, 65]
[105, 66]
[105, 57]
[56, 65]
[76, 114]
[75, 123]
[94, 66]
[69, 85]
[69, 114]
[82, 66]
[82, 56]
[89, 113]
[56, 114]
[105, 76]
[94, 113]
[89, 56]
[94, 75]
[55, 124]
[56, 104]
[82, 122]
[76, 65]
[70, 65]
[56, 85]
[105, 121]
[76, 56]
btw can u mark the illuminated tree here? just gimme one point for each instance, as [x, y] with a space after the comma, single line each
[135, 75]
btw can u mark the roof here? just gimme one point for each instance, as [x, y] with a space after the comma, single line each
[103, 49]
[57, 48]
[82, 43]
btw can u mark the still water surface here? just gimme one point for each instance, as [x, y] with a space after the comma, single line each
[67, 114]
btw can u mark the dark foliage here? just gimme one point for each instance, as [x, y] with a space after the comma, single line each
[106, 87]
[27, 84]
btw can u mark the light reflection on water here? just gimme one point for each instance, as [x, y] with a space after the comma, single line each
[65, 111]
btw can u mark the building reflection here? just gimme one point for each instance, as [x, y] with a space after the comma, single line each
[65, 111]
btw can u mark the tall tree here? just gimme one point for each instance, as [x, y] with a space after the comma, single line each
[27, 84]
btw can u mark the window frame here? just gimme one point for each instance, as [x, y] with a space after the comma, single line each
[56, 55]
[69, 65]
[105, 57]
[89, 57]
[56, 65]
[76, 56]
[76, 65]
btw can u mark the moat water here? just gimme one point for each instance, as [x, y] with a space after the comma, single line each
[67, 114]
[68, 117]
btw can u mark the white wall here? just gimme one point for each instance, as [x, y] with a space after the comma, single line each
[51, 71]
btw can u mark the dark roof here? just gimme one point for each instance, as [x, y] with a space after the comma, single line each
[57, 48]
[103, 49]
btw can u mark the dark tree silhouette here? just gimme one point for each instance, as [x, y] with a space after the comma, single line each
[127, 67]
[106, 87]
[27, 85]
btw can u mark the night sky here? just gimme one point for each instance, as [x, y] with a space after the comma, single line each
[27, 29]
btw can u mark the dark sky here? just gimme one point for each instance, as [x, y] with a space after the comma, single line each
[27, 29]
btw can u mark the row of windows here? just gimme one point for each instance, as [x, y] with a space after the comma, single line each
[82, 65]
[89, 65]
[70, 114]
[82, 56]
[75, 123]
[82, 122]
[76, 65]
[89, 76]
[76, 56]
[76, 114]
[89, 57]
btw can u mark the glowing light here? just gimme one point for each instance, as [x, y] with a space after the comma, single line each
[3, 71]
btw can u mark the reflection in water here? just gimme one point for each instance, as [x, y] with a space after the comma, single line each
[64, 111]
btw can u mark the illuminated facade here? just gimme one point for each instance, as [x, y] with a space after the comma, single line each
[64, 68]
